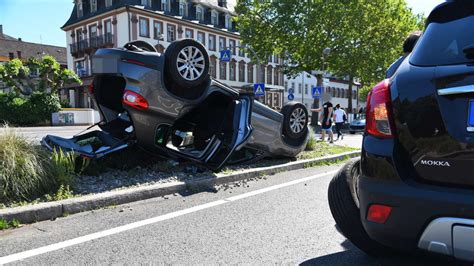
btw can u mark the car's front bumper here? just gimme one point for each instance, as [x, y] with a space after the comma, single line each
[415, 206]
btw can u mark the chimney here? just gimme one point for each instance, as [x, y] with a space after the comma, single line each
[1, 29]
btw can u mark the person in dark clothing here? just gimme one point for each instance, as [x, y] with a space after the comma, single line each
[408, 46]
[326, 120]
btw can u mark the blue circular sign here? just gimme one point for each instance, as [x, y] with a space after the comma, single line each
[291, 97]
[291, 91]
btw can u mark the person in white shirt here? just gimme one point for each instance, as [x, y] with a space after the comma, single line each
[341, 118]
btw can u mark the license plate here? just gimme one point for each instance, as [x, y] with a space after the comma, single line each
[470, 121]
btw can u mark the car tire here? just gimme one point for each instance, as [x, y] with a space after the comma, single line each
[343, 202]
[295, 122]
[352, 132]
[186, 64]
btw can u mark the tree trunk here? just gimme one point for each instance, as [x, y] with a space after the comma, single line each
[315, 115]
[349, 96]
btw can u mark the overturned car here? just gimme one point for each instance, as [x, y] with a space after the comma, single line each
[168, 104]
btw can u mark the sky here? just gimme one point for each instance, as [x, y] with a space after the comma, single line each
[40, 21]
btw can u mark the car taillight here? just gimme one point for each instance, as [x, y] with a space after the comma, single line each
[379, 118]
[379, 213]
[91, 88]
[134, 100]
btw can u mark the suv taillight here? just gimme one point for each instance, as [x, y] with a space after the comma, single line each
[379, 117]
[134, 100]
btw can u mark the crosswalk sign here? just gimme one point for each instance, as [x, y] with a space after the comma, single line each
[225, 56]
[259, 89]
[317, 92]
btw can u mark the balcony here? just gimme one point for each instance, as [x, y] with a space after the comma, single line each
[89, 46]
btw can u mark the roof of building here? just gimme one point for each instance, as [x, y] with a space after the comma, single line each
[101, 9]
[27, 49]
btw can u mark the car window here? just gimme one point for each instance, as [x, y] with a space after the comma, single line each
[443, 43]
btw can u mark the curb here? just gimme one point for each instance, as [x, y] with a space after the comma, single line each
[52, 210]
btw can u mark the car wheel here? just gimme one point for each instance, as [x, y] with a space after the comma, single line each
[186, 64]
[352, 132]
[344, 205]
[295, 123]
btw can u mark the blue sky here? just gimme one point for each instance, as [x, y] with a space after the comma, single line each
[40, 20]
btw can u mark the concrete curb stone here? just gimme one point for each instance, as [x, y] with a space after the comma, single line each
[52, 210]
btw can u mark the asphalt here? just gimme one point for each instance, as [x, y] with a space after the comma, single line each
[291, 224]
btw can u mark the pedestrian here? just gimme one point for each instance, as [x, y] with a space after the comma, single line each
[408, 46]
[340, 118]
[326, 120]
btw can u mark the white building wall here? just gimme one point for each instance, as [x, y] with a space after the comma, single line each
[70, 59]
[122, 28]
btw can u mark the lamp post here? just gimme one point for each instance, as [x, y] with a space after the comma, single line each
[319, 75]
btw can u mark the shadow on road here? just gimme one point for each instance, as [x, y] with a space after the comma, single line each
[354, 257]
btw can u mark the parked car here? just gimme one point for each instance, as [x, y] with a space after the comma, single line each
[413, 188]
[168, 104]
[358, 124]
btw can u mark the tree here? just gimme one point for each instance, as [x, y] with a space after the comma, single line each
[16, 74]
[365, 36]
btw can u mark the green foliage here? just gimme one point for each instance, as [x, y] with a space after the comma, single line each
[4, 224]
[364, 91]
[15, 74]
[365, 36]
[17, 109]
[63, 166]
[64, 192]
[22, 172]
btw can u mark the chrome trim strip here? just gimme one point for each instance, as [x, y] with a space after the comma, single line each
[456, 90]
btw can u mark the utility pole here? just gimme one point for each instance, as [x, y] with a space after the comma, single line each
[319, 77]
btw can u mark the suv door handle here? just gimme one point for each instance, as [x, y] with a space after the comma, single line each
[456, 90]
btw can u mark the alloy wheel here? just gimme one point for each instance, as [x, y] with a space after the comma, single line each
[297, 120]
[190, 63]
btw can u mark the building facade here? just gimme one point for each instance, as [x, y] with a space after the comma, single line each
[96, 24]
[335, 91]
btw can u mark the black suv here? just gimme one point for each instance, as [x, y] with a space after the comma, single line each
[413, 188]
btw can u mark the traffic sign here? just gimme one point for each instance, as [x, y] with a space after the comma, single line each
[291, 97]
[317, 92]
[325, 82]
[291, 91]
[225, 55]
[259, 89]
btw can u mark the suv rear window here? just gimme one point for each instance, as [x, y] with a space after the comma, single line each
[443, 43]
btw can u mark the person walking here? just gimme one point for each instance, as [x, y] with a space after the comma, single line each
[326, 120]
[340, 117]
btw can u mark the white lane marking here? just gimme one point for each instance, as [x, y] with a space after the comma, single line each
[75, 241]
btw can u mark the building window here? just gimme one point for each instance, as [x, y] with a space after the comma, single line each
[146, 3]
[222, 70]
[212, 67]
[232, 71]
[165, 5]
[18, 53]
[108, 31]
[201, 37]
[299, 88]
[221, 43]
[269, 75]
[242, 71]
[157, 30]
[93, 36]
[241, 50]
[144, 28]
[212, 42]
[354, 94]
[228, 21]
[199, 13]
[108, 3]
[171, 33]
[93, 5]
[262, 74]
[80, 10]
[275, 76]
[183, 8]
[306, 89]
[232, 46]
[214, 18]
[277, 59]
[11, 56]
[250, 73]
[189, 33]
[286, 86]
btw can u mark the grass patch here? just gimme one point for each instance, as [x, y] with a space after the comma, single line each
[322, 149]
[4, 224]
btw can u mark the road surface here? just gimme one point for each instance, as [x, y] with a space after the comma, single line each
[283, 218]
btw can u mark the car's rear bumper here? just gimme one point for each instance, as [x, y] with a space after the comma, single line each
[415, 206]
